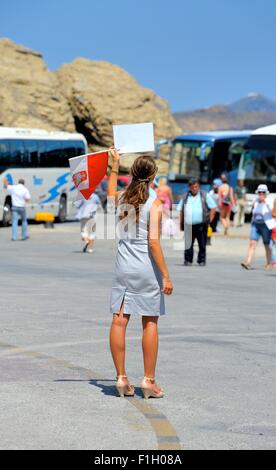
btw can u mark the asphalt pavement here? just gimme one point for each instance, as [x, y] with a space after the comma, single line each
[216, 359]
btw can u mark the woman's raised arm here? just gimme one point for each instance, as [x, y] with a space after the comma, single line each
[113, 178]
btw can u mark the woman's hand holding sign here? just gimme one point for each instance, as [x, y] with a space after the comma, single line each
[115, 155]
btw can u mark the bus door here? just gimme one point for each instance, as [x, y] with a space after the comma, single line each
[220, 158]
[226, 159]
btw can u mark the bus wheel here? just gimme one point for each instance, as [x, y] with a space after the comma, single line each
[7, 214]
[62, 212]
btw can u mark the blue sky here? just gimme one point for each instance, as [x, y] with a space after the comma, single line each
[193, 53]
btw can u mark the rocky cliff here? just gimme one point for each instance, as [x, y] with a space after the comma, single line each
[30, 95]
[87, 96]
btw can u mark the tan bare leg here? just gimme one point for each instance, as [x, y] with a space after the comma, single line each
[117, 339]
[150, 348]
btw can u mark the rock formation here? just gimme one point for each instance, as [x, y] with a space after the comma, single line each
[86, 96]
[29, 93]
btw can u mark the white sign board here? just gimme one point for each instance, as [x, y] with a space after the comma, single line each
[132, 138]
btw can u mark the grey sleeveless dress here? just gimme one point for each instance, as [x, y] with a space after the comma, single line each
[137, 281]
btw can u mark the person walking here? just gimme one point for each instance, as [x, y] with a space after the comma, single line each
[141, 275]
[261, 221]
[214, 194]
[20, 195]
[164, 194]
[197, 209]
[273, 238]
[86, 214]
[240, 196]
[226, 202]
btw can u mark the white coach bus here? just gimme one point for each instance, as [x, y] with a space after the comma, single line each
[41, 159]
[258, 162]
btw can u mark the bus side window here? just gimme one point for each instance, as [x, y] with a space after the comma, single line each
[31, 153]
[68, 151]
[4, 154]
[49, 153]
[265, 168]
[42, 153]
[79, 147]
[17, 153]
[54, 153]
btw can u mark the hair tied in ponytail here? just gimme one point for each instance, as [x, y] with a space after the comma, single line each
[142, 171]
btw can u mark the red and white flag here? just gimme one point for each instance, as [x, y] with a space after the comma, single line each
[87, 171]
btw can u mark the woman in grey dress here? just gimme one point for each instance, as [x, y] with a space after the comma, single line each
[141, 276]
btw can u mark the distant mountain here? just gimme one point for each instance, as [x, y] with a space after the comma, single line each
[253, 102]
[250, 112]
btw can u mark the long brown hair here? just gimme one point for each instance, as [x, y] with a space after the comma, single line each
[137, 192]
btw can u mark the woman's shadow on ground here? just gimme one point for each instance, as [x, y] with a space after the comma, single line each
[109, 390]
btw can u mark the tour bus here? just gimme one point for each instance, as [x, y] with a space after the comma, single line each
[258, 162]
[205, 156]
[41, 159]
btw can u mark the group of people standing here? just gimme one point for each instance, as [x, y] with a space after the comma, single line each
[198, 210]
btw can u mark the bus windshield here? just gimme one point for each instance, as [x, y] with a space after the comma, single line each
[190, 159]
[256, 167]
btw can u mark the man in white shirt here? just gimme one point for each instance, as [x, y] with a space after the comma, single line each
[19, 195]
